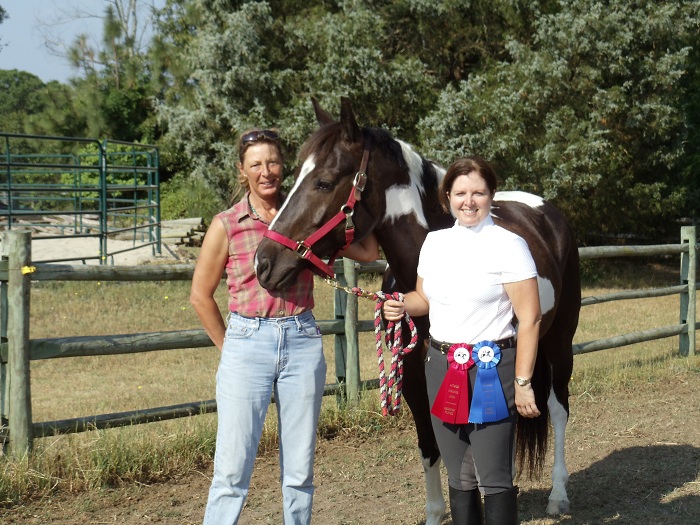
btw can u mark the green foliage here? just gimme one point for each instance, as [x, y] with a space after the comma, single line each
[253, 65]
[593, 104]
[184, 197]
[20, 95]
[60, 114]
[586, 115]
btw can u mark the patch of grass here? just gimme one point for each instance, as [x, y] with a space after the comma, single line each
[630, 273]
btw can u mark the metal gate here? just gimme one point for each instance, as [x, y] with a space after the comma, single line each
[65, 187]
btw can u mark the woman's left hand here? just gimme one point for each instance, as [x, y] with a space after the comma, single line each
[525, 401]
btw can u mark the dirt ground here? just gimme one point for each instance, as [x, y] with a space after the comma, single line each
[634, 458]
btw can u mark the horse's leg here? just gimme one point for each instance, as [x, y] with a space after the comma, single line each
[558, 498]
[566, 322]
[557, 343]
[415, 393]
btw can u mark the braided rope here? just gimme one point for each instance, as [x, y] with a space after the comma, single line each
[390, 390]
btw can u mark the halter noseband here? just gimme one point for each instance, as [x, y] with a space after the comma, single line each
[303, 248]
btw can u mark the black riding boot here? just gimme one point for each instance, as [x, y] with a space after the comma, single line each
[465, 507]
[502, 509]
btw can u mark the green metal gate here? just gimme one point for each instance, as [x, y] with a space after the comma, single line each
[64, 187]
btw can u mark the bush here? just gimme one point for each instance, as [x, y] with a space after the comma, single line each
[183, 197]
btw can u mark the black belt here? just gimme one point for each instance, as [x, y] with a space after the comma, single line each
[445, 347]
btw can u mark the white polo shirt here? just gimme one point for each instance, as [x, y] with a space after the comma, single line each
[463, 271]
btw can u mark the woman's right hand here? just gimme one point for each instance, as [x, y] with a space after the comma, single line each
[393, 310]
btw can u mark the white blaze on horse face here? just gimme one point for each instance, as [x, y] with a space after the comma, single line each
[306, 168]
[546, 290]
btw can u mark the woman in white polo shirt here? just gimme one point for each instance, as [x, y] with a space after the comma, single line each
[472, 279]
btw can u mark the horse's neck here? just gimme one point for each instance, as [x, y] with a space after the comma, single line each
[401, 239]
[409, 213]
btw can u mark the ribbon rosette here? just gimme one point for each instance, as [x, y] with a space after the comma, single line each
[489, 401]
[452, 401]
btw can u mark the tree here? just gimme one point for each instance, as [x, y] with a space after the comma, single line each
[3, 16]
[20, 95]
[126, 32]
[587, 115]
[112, 95]
[258, 64]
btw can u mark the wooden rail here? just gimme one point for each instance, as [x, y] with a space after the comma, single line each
[17, 350]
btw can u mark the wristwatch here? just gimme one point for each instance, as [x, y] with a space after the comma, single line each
[522, 381]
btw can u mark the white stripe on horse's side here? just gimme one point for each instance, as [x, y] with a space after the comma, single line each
[404, 200]
[546, 294]
[306, 168]
[415, 165]
[534, 201]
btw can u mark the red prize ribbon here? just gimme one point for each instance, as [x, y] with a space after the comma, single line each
[452, 401]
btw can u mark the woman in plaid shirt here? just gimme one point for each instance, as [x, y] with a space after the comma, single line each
[269, 344]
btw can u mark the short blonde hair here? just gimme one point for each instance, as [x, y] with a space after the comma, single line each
[255, 136]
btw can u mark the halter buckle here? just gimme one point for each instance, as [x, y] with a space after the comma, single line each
[302, 250]
[360, 181]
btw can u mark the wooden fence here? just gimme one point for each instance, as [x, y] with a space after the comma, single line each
[17, 350]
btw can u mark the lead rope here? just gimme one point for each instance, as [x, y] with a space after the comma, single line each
[389, 390]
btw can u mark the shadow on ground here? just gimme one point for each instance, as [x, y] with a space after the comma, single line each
[630, 486]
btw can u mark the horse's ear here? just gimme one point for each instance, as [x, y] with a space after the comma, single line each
[322, 116]
[347, 119]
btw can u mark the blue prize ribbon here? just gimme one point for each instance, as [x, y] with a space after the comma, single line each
[488, 400]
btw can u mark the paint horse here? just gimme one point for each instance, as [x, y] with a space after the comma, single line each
[394, 194]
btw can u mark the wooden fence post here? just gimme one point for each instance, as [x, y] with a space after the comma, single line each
[688, 315]
[18, 294]
[4, 383]
[353, 355]
[341, 351]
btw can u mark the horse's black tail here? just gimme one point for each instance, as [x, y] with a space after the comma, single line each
[532, 433]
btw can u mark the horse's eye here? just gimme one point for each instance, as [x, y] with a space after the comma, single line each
[324, 185]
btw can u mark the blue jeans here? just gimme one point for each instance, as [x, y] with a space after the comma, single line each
[261, 356]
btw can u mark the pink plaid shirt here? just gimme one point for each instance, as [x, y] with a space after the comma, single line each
[246, 296]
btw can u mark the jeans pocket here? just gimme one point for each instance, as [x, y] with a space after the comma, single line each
[239, 331]
[310, 329]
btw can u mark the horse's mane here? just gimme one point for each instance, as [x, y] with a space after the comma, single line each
[322, 142]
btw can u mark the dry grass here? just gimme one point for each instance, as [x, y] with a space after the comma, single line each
[81, 386]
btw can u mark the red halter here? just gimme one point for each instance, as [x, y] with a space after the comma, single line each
[303, 248]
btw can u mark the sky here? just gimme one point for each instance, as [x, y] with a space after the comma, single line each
[23, 34]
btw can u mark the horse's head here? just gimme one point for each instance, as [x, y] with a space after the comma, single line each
[328, 197]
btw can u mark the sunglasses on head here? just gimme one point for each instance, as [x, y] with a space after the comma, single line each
[262, 134]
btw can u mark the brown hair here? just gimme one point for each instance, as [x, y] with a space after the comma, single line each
[266, 136]
[465, 166]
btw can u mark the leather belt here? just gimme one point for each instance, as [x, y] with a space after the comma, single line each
[445, 347]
